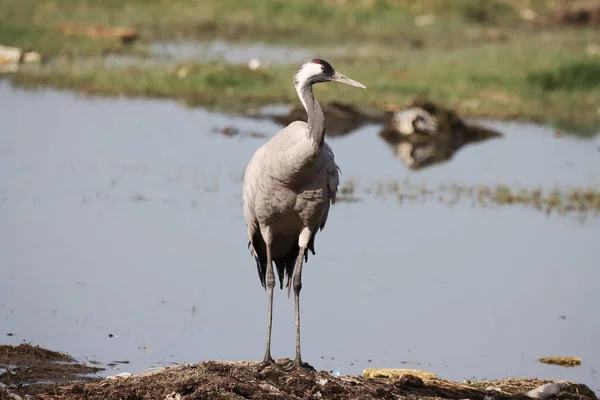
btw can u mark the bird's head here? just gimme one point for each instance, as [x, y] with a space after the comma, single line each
[318, 70]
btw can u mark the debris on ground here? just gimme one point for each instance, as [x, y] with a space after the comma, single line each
[125, 35]
[397, 373]
[531, 387]
[12, 57]
[424, 20]
[121, 375]
[423, 133]
[562, 361]
[548, 390]
[248, 380]
[527, 14]
[254, 64]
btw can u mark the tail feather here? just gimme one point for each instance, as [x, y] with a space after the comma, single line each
[260, 255]
[285, 265]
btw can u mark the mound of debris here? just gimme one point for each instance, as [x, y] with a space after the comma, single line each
[247, 380]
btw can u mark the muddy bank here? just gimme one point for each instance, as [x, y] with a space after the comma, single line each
[27, 369]
[247, 380]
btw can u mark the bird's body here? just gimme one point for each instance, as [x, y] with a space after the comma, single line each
[297, 183]
[289, 184]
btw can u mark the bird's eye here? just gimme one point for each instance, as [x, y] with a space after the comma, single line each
[323, 68]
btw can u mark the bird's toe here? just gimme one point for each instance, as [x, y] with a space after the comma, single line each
[267, 362]
[303, 367]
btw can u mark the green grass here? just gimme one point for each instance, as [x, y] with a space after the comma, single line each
[539, 74]
[582, 75]
[46, 41]
[311, 21]
[208, 84]
[307, 22]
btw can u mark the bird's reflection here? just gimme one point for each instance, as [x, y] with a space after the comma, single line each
[424, 134]
[341, 118]
[421, 134]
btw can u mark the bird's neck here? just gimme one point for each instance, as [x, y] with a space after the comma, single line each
[316, 119]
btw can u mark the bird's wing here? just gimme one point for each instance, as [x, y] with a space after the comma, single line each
[250, 174]
[267, 160]
[333, 181]
[333, 178]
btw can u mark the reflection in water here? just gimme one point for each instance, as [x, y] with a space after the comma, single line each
[341, 118]
[424, 134]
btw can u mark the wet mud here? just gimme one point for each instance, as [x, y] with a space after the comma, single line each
[27, 369]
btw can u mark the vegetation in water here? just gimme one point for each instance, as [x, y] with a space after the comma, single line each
[562, 361]
[579, 201]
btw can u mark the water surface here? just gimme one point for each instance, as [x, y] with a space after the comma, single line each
[123, 217]
[230, 52]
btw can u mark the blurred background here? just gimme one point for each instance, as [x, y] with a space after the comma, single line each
[465, 239]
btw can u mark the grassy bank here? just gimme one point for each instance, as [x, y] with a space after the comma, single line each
[301, 21]
[480, 57]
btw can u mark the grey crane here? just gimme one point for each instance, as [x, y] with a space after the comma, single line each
[288, 186]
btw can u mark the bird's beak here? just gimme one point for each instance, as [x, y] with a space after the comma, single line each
[337, 77]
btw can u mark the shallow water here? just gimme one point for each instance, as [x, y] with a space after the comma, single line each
[168, 53]
[230, 52]
[124, 217]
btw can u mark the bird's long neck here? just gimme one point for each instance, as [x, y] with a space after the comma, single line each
[316, 119]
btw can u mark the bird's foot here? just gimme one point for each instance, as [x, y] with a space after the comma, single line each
[301, 366]
[267, 362]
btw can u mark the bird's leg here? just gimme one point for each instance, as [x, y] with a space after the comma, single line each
[297, 288]
[268, 360]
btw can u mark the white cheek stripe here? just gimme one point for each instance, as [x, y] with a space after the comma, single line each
[307, 70]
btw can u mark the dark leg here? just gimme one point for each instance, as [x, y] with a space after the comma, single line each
[297, 288]
[268, 360]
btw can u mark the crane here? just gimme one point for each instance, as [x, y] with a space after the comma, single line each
[289, 184]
